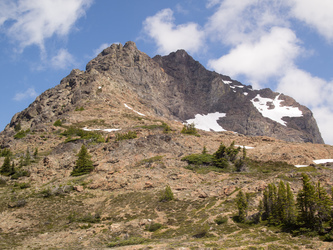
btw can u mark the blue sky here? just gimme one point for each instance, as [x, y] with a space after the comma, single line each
[286, 45]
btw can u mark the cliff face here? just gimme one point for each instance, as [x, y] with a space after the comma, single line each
[175, 87]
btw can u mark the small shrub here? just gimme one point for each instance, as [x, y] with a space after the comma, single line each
[128, 242]
[2, 182]
[5, 152]
[167, 195]
[221, 220]
[22, 185]
[57, 123]
[199, 159]
[17, 127]
[153, 227]
[189, 129]
[126, 136]
[79, 108]
[202, 231]
[21, 134]
[20, 173]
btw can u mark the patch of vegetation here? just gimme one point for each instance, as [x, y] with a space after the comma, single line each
[157, 158]
[5, 152]
[22, 185]
[153, 227]
[57, 123]
[221, 220]
[83, 165]
[166, 128]
[126, 136]
[88, 218]
[127, 242]
[85, 135]
[7, 168]
[189, 129]
[21, 134]
[79, 108]
[222, 158]
[167, 195]
[17, 127]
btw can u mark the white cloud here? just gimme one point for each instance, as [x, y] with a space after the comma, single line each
[324, 118]
[62, 60]
[212, 3]
[272, 55]
[315, 93]
[317, 14]
[33, 21]
[170, 37]
[30, 93]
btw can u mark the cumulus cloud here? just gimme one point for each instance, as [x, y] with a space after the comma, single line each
[169, 36]
[273, 54]
[33, 21]
[30, 93]
[62, 60]
[315, 93]
[317, 14]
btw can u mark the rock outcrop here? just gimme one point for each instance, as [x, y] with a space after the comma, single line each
[175, 87]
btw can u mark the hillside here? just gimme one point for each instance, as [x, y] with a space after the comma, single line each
[124, 92]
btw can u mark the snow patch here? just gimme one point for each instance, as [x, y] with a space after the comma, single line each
[207, 122]
[133, 110]
[277, 112]
[245, 93]
[99, 129]
[246, 147]
[226, 82]
[301, 166]
[321, 161]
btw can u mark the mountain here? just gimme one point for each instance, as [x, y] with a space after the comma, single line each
[174, 87]
[122, 119]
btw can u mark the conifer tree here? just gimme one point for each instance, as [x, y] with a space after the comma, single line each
[242, 205]
[83, 164]
[7, 168]
[323, 207]
[281, 203]
[290, 207]
[306, 202]
[27, 158]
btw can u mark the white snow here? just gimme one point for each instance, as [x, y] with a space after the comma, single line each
[245, 93]
[227, 82]
[99, 129]
[207, 122]
[134, 110]
[246, 147]
[277, 112]
[100, 87]
[322, 161]
[301, 166]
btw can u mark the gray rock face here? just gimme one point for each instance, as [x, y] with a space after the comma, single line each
[174, 86]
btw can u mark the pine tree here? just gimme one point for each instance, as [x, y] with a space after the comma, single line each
[281, 203]
[27, 158]
[7, 168]
[290, 207]
[306, 203]
[83, 164]
[242, 205]
[323, 207]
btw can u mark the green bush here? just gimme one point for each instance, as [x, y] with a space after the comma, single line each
[79, 108]
[128, 242]
[21, 134]
[167, 194]
[5, 152]
[126, 136]
[221, 220]
[57, 123]
[17, 127]
[189, 129]
[85, 135]
[199, 159]
[153, 227]
[22, 185]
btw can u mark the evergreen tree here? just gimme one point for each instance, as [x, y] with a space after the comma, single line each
[281, 203]
[242, 205]
[83, 164]
[323, 207]
[7, 168]
[306, 202]
[27, 158]
[36, 153]
[290, 207]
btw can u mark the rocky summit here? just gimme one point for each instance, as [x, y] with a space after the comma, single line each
[104, 160]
